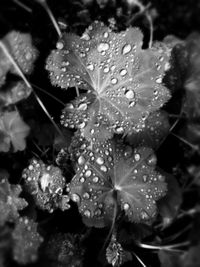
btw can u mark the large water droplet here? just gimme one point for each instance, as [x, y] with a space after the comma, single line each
[85, 36]
[97, 212]
[126, 49]
[81, 125]
[129, 94]
[70, 106]
[105, 35]
[102, 47]
[75, 197]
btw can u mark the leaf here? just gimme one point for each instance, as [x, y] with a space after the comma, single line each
[13, 130]
[115, 254]
[10, 202]
[26, 241]
[169, 205]
[21, 49]
[64, 249]
[14, 94]
[155, 130]
[124, 82]
[46, 184]
[110, 175]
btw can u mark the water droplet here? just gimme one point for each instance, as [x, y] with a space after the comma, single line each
[103, 168]
[106, 70]
[128, 151]
[129, 94]
[114, 80]
[119, 130]
[85, 36]
[132, 104]
[102, 47]
[126, 49]
[90, 67]
[159, 80]
[70, 106]
[167, 66]
[137, 156]
[59, 45]
[161, 178]
[105, 35]
[87, 213]
[97, 212]
[152, 160]
[123, 72]
[81, 160]
[86, 195]
[81, 125]
[126, 206]
[88, 173]
[82, 106]
[144, 215]
[95, 179]
[144, 178]
[75, 197]
[82, 180]
[99, 161]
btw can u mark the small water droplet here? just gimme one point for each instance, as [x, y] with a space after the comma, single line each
[95, 179]
[152, 160]
[114, 80]
[126, 49]
[82, 180]
[167, 66]
[144, 178]
[106, 70]
[99, 160]
[102, 47]
[123, 72]
[59, 45]
[126, 206]
[90, 67]
[70, 106]
[75, 197]
[81, 125]
[128, 151]
[105, 35]
[159, 80]
[103, 168]
[144, 215]
[85, 36]
[119, 130]
[87, 213]
[137, 156]
[86, 195]
[81, 160]
[132, 104]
